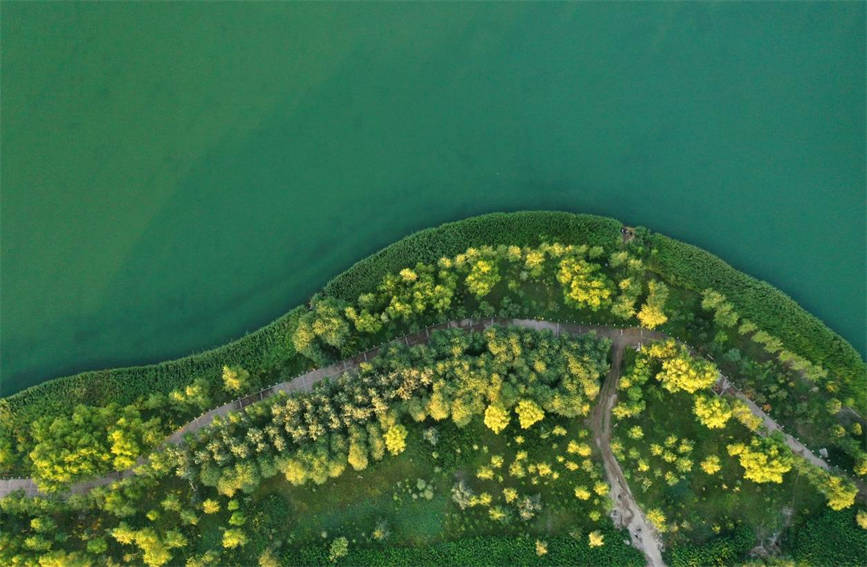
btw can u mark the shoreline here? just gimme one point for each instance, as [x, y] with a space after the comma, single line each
[336, 287]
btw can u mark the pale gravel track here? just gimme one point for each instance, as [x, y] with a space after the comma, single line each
[630, 336]
[770, 426]
[306, 381]
[626, 513]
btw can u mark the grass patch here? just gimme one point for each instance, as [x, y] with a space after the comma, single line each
[410, 497]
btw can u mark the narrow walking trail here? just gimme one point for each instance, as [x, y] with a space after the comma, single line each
[600, 422]
[306, 381]
[725, 387]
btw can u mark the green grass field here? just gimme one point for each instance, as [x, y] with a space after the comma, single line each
[410, 496]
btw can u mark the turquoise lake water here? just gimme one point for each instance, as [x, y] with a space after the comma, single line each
[176, 174]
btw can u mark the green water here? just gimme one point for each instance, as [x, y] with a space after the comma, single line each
[175, 174]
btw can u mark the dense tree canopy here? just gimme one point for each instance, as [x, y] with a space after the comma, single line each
[89, 442]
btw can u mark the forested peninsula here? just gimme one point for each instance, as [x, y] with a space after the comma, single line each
[523, 388]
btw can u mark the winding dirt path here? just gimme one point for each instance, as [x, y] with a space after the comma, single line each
[600, 421]
[626, 512]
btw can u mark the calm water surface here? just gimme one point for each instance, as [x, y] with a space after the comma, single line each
[174, 175]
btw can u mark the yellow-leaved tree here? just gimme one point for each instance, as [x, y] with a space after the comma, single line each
[210, 506]
[651, 314]
[357, 457]
[395, 439]
[583, 283]
[482, 278]
[581, 493]
[712, 411]
[595, 539]
[234, 537]
[496, 418]
[529, 413]
[710, 465]
[861, 466]
[657, 518]
[742, 412]
[765, 459]
[680, 370]
[839, 492]
[235, 379]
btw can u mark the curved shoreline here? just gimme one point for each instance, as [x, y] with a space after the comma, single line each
[490, 228]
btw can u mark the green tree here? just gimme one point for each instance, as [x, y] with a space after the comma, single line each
[724, 312]
[339, 548]
[624, 305]
[130, 436]
[89, 442]
[324, 324]
[268, 559]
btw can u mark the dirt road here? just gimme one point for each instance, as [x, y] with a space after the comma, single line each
[626, 512]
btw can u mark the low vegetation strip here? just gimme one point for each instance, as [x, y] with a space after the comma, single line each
[269, 351]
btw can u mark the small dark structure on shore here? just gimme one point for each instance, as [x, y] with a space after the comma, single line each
[627, 233]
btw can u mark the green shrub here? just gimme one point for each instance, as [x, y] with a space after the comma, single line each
[832, 538]
[479, 551]
[726, 549]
